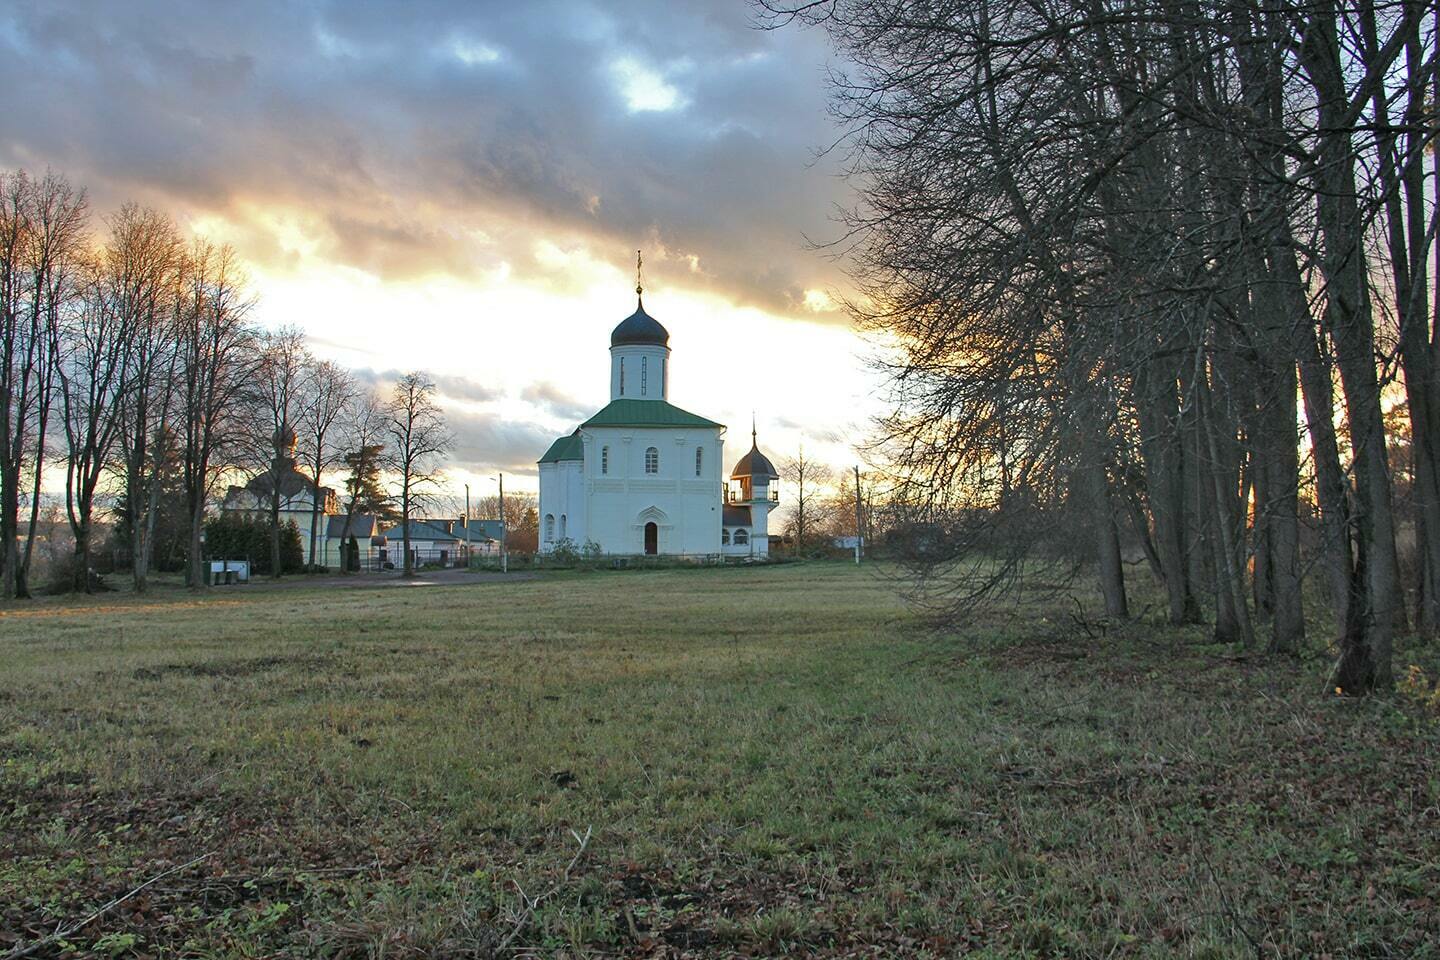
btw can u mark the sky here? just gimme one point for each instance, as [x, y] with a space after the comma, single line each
[461, 186]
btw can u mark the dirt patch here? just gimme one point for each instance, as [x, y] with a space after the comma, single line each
[231, 669]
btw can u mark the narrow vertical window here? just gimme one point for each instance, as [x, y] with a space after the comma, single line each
[644, 373]
[622, 376]
[562, 526]
[652, 460]
[549, 527]
[699, 460]
[604, 459]
[664, 372]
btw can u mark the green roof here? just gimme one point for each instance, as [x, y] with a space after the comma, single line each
[645, 413]
[566, 448]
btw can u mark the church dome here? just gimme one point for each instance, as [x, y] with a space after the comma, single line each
[639, 329]
[754, 464]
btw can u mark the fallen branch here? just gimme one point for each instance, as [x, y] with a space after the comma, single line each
[532, 905]
[65, 932]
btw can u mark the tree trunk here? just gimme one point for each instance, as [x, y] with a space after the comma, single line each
[1232, 613]
[315, 519]
[1365, 656]
[1109, 565]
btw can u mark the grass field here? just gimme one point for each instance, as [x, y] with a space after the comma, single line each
[705, 762]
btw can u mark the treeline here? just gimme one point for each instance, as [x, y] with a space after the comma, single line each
[1158, 274]
[131, 366]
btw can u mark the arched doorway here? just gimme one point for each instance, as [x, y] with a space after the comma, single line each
[652, 539]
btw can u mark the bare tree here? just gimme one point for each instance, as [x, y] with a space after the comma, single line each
[129, 291]
[809, 478]
[218, 358]
[42, 225]
[327, 394]
[280, 381]
[418, 438]
[364, 440]
[1108, 242]
[143, 281]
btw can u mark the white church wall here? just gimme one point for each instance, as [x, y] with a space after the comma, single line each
[562, 504]
[685, 508]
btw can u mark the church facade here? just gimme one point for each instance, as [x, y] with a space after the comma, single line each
[644, 477]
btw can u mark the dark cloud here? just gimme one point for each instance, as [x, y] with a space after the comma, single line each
[556, 402]
[436, 136]
[487, 442]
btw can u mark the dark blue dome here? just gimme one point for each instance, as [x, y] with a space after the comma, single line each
[640, 328]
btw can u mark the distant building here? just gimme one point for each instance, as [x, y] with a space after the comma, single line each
[297, 497]
[644, 477]
[442, 540]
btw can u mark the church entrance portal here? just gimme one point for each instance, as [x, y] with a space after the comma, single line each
[652, 539]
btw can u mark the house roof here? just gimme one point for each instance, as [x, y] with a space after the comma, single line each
[420, 530]
[645, 413]
[566, 448]
[361, 526]
[734, 516]
[291, 481]
[480, 530]
[639, 328]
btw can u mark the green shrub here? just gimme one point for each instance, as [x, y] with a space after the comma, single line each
[233, 536]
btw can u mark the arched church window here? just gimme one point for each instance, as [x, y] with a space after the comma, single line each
[644, 373]
[604, 459]
[562, 526]
[652, 460]
[699, 460]
[549, 527]
[724, 537]
[742, 537]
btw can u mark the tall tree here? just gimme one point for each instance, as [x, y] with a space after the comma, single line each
[143, 281]
[418, 438]
[327, 393]
[808, 478]
[218, 358]
[280, 380]
[364, 436]
[42, 224]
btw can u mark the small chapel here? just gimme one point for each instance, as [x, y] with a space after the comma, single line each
[644, 477]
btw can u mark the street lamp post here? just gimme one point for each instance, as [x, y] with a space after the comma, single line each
[504, 549]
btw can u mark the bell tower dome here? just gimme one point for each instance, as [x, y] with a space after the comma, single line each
[639, 353]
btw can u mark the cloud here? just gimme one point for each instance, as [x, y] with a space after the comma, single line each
[487, 442]
[452, 387]
[556, 402]
[372, 136]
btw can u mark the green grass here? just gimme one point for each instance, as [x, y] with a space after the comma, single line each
[766, 760]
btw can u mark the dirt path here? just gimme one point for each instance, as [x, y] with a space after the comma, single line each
[174, 593]
[426, 578]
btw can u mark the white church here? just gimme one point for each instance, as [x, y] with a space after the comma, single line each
[643, 477]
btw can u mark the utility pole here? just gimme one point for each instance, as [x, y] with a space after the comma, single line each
[504, 550]
[467, 526]
[859, 523]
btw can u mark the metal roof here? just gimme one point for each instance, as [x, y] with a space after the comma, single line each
[639, 328]
[645, 413]
[569, 447]
[362, 525]
[754, 464]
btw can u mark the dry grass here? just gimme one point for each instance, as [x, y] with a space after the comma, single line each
[770, 761]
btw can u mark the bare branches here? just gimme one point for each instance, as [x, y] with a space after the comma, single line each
[1085, 230]
[418, 438]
